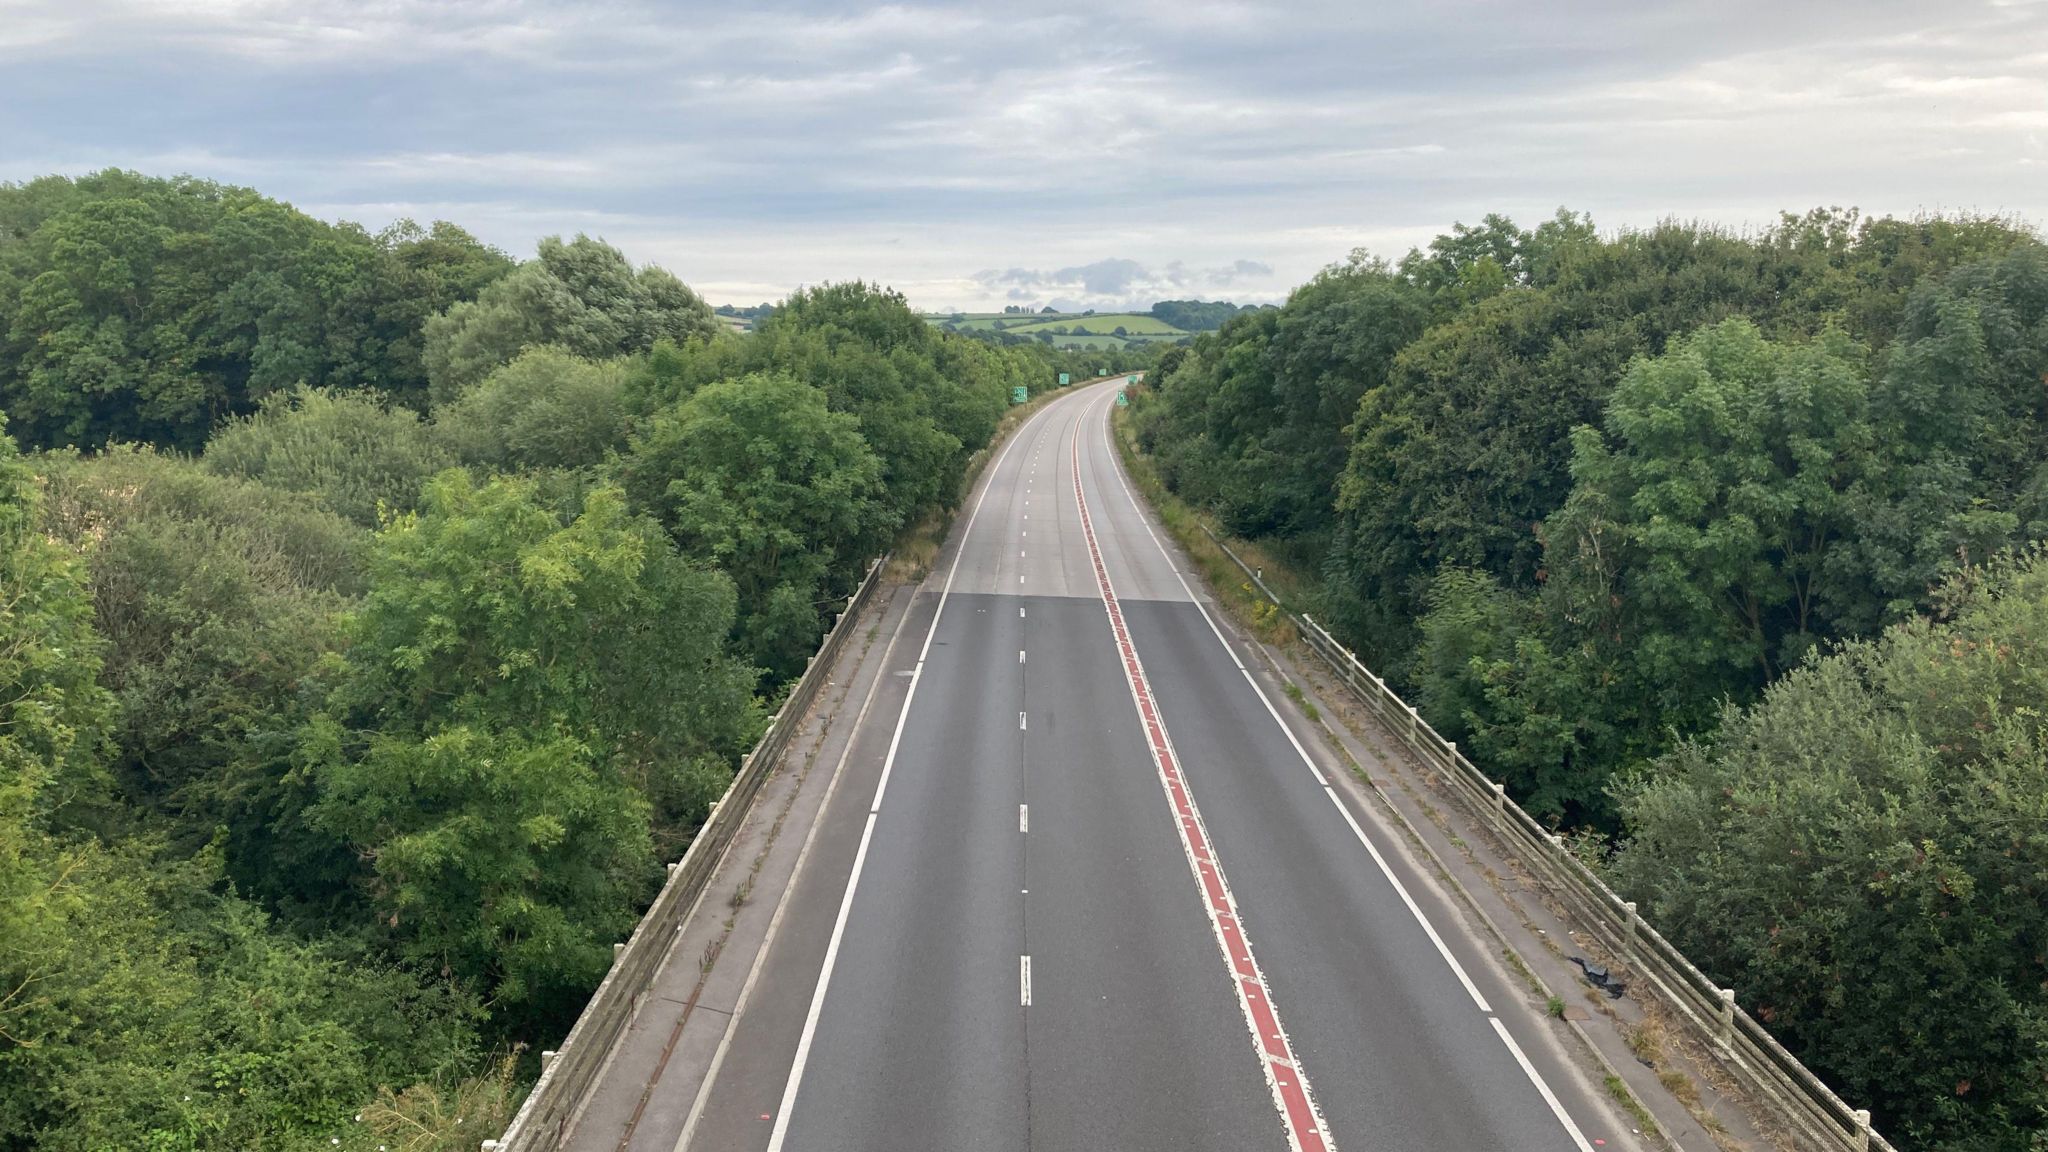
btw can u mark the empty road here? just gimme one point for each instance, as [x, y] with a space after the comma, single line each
[1089, 882]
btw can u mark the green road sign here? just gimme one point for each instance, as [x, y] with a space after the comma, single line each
[1130, 379]
[1020, 394]
[1122, 401]
[1102, 372]
[1063, 379]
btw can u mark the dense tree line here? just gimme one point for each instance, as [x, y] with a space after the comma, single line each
[1198, 315]
[1639, 520]
[379, 615]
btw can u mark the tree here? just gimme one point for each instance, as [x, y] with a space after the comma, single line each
[1863, 856]
[141, 309]
[511, 863]
[582, 295]
[531, 711]
[545, 410]
[759, 476]
[359, 457]
[1704, 538]
[1467, 447]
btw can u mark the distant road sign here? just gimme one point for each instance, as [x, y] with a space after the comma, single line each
[1130, 379]
[1063, 379]
[1019, 394]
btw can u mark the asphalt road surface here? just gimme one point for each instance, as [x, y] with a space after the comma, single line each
[1089, 883]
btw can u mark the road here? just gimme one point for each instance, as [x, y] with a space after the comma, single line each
[1090, 882]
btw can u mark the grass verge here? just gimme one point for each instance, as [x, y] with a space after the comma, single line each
[1237, 594]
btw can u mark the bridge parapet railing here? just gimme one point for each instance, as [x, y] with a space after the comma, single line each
[567, 1075]
[1805, 1106]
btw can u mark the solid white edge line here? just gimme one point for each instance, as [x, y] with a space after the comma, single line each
[1443, 950]
[1549, 1097]
[784, 1110]
[746, 995]
[1542, 1087]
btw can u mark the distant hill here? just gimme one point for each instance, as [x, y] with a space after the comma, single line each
[1101, 330]
[1169, 321]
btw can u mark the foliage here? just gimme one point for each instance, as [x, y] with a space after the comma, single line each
[760, 476]
[486, 611]
[582, 295]
[1196, 315]
[1863, 854]
[360, 458]
[141, 309]
[505, 862]
[545, 410]
[1252, 421]
[163, 1014]
[218, 600]
[52, 711]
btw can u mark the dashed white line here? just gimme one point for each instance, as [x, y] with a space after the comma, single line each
[780, 1133]
[1024, 978]
[1024, 818]
[1020, 655]
[1020, 721]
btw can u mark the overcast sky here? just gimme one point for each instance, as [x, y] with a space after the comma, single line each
[1096, 154]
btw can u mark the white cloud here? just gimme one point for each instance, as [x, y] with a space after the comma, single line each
[1215, 147]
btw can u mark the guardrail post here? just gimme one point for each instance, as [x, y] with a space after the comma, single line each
[1500, 801]
[547, 1057]
[1414, 725]
[1727, 1037]
[1635, 923]
[1862, 1130]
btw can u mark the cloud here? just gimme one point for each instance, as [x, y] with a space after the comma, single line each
[1122, 283]
[760, 146]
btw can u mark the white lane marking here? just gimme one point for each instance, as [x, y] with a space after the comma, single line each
[1528, 1069]
[1549, 1097]
[746, 996]
[860, 857]
[1020, 721]
[1400, 889]
[1024, 820]
[1020, 655]
[1024, 980]
[1020, 611]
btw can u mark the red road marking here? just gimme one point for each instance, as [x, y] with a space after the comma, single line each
[1304, 1125]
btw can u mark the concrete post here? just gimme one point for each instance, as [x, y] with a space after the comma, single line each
[1862, 1130]
[1500, 802]
[1635, 924]
[616, 949]
[1727, 1037]
[547, 1057]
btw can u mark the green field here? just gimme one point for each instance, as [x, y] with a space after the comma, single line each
[1082, 331]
